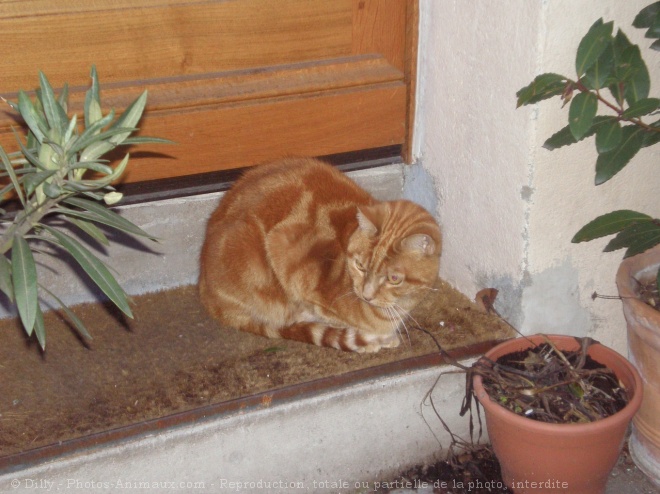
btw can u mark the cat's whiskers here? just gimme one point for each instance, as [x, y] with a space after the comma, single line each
[396, 311]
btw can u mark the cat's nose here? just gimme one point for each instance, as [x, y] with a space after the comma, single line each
[368, 292]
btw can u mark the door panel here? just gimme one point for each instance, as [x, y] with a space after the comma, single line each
[234, 82]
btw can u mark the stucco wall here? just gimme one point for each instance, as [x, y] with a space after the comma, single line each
[508, 207]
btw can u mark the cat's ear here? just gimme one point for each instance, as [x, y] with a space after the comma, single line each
[419, 242]
[365, 224]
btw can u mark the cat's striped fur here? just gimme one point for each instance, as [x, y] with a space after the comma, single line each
[297, 250]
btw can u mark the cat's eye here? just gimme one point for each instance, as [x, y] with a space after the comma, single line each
[359, 266]
[395, 279]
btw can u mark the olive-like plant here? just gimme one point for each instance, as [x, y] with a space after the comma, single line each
[59, 176]
[611, 75]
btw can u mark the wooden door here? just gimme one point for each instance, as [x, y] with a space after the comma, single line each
[233, 82]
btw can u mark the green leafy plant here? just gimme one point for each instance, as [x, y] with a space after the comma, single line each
[611, 75]
[60, 178]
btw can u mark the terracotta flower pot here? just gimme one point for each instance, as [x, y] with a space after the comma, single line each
[538, 457]
[644, 352]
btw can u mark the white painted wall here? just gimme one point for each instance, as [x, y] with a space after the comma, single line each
[507, 206]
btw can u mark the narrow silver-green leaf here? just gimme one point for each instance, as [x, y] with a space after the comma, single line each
[92, 109]
[84, 139]
[90, 229]
[608, 224]
[129, 118]
[63, 98]
[24, 279]
[610, 163]
[94, 268]
[33, 180]
[91, 165]
[101, 214]
[34, 120]
[28, 153]
[71, 129]
[55, 114]
[88, 139]
[96, 150]
[40, 328]
[6, 284]
[12, 176]
[592, 45]
[146, 140]
[581, 113]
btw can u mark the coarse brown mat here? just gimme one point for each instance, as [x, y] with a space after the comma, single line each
[174, 358]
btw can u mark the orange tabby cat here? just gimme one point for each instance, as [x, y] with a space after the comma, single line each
[297, 250]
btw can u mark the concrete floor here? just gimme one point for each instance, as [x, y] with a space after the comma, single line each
[626, 478]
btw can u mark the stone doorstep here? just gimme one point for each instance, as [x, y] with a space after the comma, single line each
[358, 427]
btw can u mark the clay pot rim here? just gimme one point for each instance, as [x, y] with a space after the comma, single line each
[625, 414]
[628, 269]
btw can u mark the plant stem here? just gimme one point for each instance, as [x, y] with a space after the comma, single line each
[619, 111]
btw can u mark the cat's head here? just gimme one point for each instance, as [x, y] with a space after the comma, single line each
[393, 257]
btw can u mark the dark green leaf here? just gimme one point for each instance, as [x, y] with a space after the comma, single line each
[543, 86]
[24, 278]
[621, 71]
[642, 107]
[638, 83]
[563, 137]
[94, 268]
[608, 224]
[652, 137]
[592, 45]
[597, 76]
[647, 15]
[581, 114]
[653, 32]
[610, 163]
[655, 45]
[636, 238]
[608, 136]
